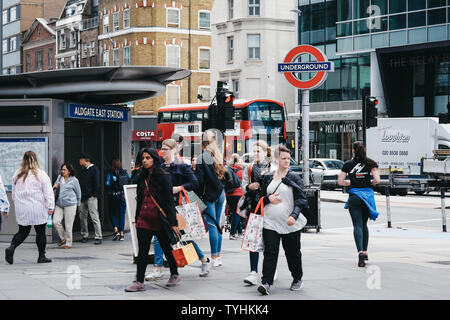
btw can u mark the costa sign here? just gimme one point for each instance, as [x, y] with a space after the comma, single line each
[143, 135]
[321, 66]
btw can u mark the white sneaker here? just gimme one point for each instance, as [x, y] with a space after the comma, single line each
[252, 278]
[155, 275]
[217, 262]
[205, 268]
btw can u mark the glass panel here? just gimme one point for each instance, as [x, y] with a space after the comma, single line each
[397, 6]
[380, 7]
[397, 38]
[364, 74]
[344, 10]
[197, 115]
[177, 116]
[361, 27]
[331, 19]
[330, 51]
[344, 29]
[345, 45]
[360, 8]
[318, 23]
[441, 86]
[416, 19]
[379, 24]
[440, 104]
[417, 35]
[305, 24]
[416, 5]
[436, 16]
[397, 22]
[349, 78]
[333, 83]
[436, 3]
[437, 33]
[166, 117]
[380, 40]
[362, 42]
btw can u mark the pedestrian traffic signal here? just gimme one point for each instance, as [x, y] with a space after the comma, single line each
[371, 112]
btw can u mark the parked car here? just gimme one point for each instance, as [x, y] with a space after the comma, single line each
[326, 170]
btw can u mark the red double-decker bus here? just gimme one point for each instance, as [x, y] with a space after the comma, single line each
[253, 120]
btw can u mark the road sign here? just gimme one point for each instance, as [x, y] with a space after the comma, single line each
[321, 66]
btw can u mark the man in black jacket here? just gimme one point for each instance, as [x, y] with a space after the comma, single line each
[90, 189]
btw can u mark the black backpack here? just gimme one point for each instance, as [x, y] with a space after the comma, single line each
[122, 179]
[232, 181]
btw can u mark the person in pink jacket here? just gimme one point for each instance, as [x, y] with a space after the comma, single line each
[34, 201]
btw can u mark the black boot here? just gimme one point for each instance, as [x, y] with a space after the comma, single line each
[9, 254]
[43, 259]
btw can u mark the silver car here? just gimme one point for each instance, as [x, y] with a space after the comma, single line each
[326, 170]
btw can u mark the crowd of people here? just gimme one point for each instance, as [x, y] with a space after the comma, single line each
[160, 178]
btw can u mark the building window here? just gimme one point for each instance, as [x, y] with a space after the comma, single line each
[115, 21]
[254, 7]
[12, 14]
[38, 56]
[106, 58]
[73, 39]
[204, 92]
[126, 56]
[84, 52]
[236, 88]
[5, 16]
[230, 41]
[12, 44]
[173, 95]
[116, 57]
[173, 56]
[126, 18]
[204, 59]
[5, 45]
[254, 46]
[106, 23]
[62, 41]
[173, 18]
[73, 63]
[92, 48]
[204, 20]
[50, 58]
[27, 63]
[230, 9]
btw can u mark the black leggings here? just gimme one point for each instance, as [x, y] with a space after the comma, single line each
[23, 233]
[144, 237]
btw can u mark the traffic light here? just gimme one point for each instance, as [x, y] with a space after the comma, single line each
[225, 110]
[371, 112]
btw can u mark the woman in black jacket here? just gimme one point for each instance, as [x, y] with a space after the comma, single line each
[155, 215]
[284, 199]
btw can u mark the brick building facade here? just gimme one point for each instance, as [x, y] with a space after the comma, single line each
[160, 33]
[38, 46]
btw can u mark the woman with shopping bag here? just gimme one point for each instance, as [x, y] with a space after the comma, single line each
[183, 178]
[284, 199]
[155, 215]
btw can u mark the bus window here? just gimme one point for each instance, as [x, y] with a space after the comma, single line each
[197, 115]
[205, 115]
[165, 117]
[187, 116]
[276, 114]
[177, 116]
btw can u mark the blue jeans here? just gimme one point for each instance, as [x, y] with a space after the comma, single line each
[117, 211]
[360, 215]
[215, 210]
[235, 218]
[159, 254]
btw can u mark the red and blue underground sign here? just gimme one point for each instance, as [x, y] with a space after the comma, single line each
[321, 67]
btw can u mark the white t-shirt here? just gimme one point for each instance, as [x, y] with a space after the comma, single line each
[276, 215]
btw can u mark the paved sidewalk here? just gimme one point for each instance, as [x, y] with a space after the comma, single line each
[404, 264]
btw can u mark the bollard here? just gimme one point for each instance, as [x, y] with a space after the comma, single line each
[388, 207]
[444, 217]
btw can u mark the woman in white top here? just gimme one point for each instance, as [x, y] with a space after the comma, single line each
[4, 203]
[34, 200]
[284, 199]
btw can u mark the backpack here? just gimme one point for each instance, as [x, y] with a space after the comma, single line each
[233, 182]
[122, 178]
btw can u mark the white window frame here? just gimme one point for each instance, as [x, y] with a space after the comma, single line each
[116, 56]
[92, 49]
[206, 88]
[12, 44]
[172, 25]
[116, 25]
[50, 54]
[5, 45]
[253, 55]
[252, 5]
[173, 87]
[73, 39]
[106, 61]
[230, 48]
[106, 23]
[84, 50]
[39, 60]
[127, 57]
[11, 18]
[167, 56]
[202, 27]
[62, 40]
[5, 16]
[126, 18]
[199, 61]
[235, 92]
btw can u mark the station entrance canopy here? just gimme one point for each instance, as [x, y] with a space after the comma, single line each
[98, 85]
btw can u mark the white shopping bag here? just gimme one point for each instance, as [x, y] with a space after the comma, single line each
[195, 226]
[253, 240]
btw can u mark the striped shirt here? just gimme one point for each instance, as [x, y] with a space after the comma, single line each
[32, 198]
[4, 203]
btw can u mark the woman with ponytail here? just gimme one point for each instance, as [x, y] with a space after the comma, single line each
[212, 174]
[361, 200]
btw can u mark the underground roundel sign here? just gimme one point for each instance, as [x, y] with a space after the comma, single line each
[321, 67]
